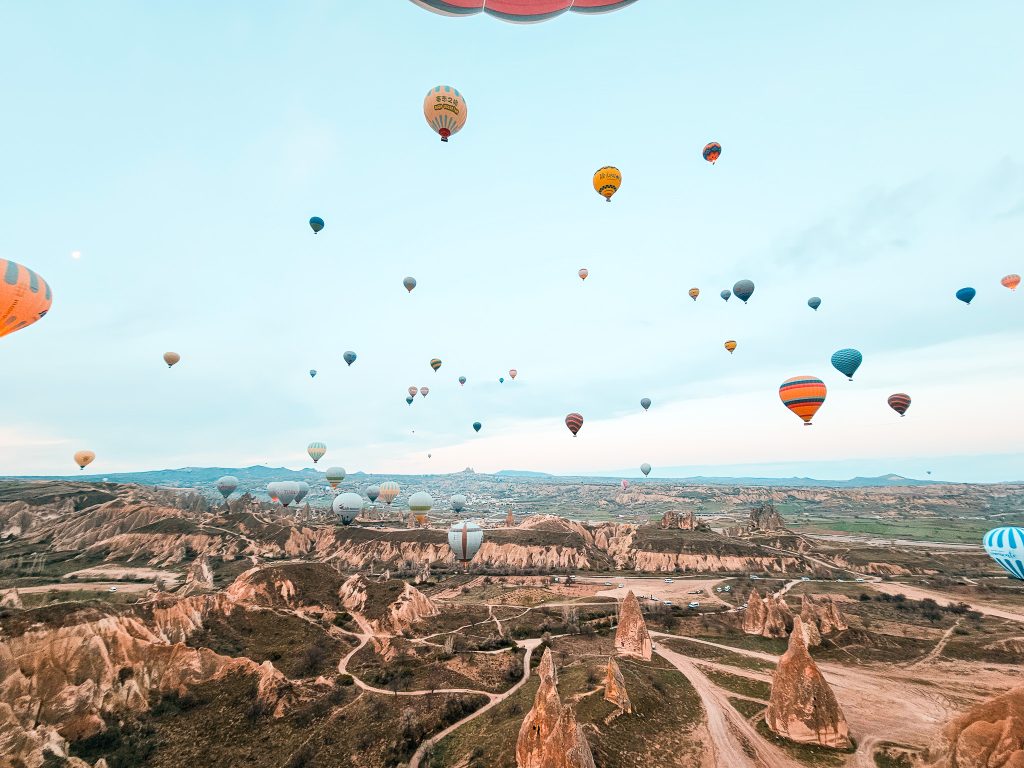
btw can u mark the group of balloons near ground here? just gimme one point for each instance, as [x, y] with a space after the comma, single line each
[25, 297]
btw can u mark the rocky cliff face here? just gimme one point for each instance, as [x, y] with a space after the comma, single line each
[990, 735]
[550, 736]
[764, 517]
[199, 576]
[685, 521]
[387, 608]
[631, 635]
[802, 706]
[615, 687]
[768, 617]
[11, 598]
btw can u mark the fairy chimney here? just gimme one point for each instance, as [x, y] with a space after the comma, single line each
[615, 687]
[631, 636]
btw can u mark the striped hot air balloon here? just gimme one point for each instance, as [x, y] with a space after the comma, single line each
[574, 422]
[1011, 282]
[847, 361]
[899, 402]
[803, 395]
[24, 297]
[388, 491]
[335, 475]
[316, 451]
[712, 151]
[435, 363]
[445, 110]
[521, 11]
[465, 538]
[1006, 546]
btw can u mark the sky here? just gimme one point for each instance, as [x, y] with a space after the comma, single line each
[872, 156]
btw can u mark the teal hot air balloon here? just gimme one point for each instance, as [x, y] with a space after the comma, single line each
[847, 361]
[744, 289]
[501, 379]
[814, 302]
[316, 224]
[645, 403]
[349, 357]
[408, 400]
[312, 373]
[966, 295]
[476, 426]
[725, 294]
[462, 380]
[1006, 546]
[645, 468]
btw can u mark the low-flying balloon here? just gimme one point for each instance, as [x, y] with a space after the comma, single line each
[424, 391]
[84, 458]
[458, 502]
[272, 491]
[435, 363]
[803, 395]
[420, 503]
[966, 295]
[574, 422]
[899, 402]
[409, 283]
[465, 537]
[513, 373]
[227, 485]
[726, 294]
[349, 357]
[476, 426]
[625, 484]
[24, 297]
[583, 273]
[445, 110]
[744, 289]
[730, 345]
[171, 358]
[712, 151]
[389, 491]
[347, 506]
[1011, 282]
[316, 224]
[335, 475]
[645, 468]
[645, 403]
[462, 381]
[607, 181]
[814, 302]
[694, 293]
[372, 492]
[286, 492]
[1006, 546]
[847, 361]
[303, 490]
[316, 451]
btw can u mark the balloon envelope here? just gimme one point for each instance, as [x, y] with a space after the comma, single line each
[520, 12]
[583, 273]
[730, 345]
[625, 484]
[171, 358]
[435, 363]
[24, 297]
[744, 289]
[424, 391]
[803, 395]
[316, 451]
[712, 151]
[445, 110]
[725, 294]
[227, 485]
[372, 492]
[513, 372]
[574, 422]
[645, 403]
[335, 475]
[465, 538]
[1011, 282]
[966, 295]
[412, 391]
[347, 506]
[316, 224]
[303, 490]
[847, 361]
[409, 283]
[607, 181]
[645, 468]
[458, 502]
[1006, 546]
[421, 501]
[84, 458]
[286, 492]
[462, 380]
[899, 402]
[408, 399]
[694, 293]
[476, 426]
[349, 357]
[389, 491]
[312, 373]
[814, 302]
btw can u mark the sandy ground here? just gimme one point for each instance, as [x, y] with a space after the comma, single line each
[678, 591]
[92, 586]
[118, 572]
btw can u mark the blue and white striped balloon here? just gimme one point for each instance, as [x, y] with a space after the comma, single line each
[1006, 547]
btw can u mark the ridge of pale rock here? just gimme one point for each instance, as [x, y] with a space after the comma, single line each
[988, 735]
[550, 736]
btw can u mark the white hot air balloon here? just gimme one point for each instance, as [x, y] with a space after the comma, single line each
[303, 490]
[1006, 546]
[645, 468]
[286, 492]
[227, 485]
[465, 538]
[458, 502]
[347, 506]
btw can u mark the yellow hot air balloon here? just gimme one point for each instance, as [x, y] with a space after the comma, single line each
[84, 458]
[171, 358]
[607, 181]
[445, 110]
[24, 297]
[730, 345]
[694, 293]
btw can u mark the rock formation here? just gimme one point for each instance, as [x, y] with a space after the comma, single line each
[809, 623]
[615, 687]
[550, 736]
[410, 520]
[753, 616]
[631, 635]
[764, 517]
[768, 617]
[510, 520]
[989, 735]
[821, 617]
[199, 576]
[423, 575]
[685, 521]
[385, 608]
[802, 706]
[11, 599]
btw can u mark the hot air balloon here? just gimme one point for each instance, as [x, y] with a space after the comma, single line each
[420, 503]
[730, 345]
[847, 361]
[744, 289]
[645, 403]
[462, 381]
[372, 492]
[286, 492]
[1005, 546]
[814, 302]
[583, 273]
[501, 379]
[272, 490]
[408, 400]
[520, 12]
[435, 363]
[694, 293]
[412, 391]
[312, 373]
[84, 458]
[725, 294]
[465, 537]
[1011, 282]
[389, 491]
[316, 451]
[335, 475]
[458, 502]
[429, 455]
[171, 358]
[347, 506]
[574, 421]
[803, 395]
[227, 485]
[349, 357]
[899, 403]
[607, 181]
[303, 490]
[445, 110]
[476, 426]
[513, 373]
[24, 297]
[316, 224]
[966, 295]
[424, 391]
[712, 151]
[409, 283]
[645, 468]
[625, 484]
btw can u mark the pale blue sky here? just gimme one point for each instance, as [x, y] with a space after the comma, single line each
[872, 156]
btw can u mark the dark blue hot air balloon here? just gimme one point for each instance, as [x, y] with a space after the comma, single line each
[966, 295]
[847, 361]
[814, 302]
[477, 425]
[316, 224]
[349, 357]
[744, 289]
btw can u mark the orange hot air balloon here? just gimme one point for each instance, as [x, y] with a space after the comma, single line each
[803, 395]
[171, 358]
[445, 110]
[607, 181]
[694, 293]
[84, 458]
[1011, 281]
[24, 297]
[583, 273]
[730, 345]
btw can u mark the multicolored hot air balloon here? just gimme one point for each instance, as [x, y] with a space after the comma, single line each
[84, 458]
[513, 373]
[744, 289]
[847, 361]
[574, 422]
[607, 181]
[645, 403]
[412, 391]
[645, 468]
[409, 283]
[476, 426]
[725, 294]
[730, 345]
[462, 381]
[420, 503]
[803, 395]
[24, 297]
[1006, 546]
[458, 502]
[316, 224]
[347, 506]
[435, 363]
[389, 491]
[518, 11]
[316, 451]
[899, 403]
[372, 492]
[966, 295]
[694, 293]
[335, 475]
[1011, 282]
[445, 110]
[312, 373]
[814, 302]
[583, 273]
[712, 151]
[171, 358]
[349, 357]
[465, 538]
[424, 391]
[227, 485]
